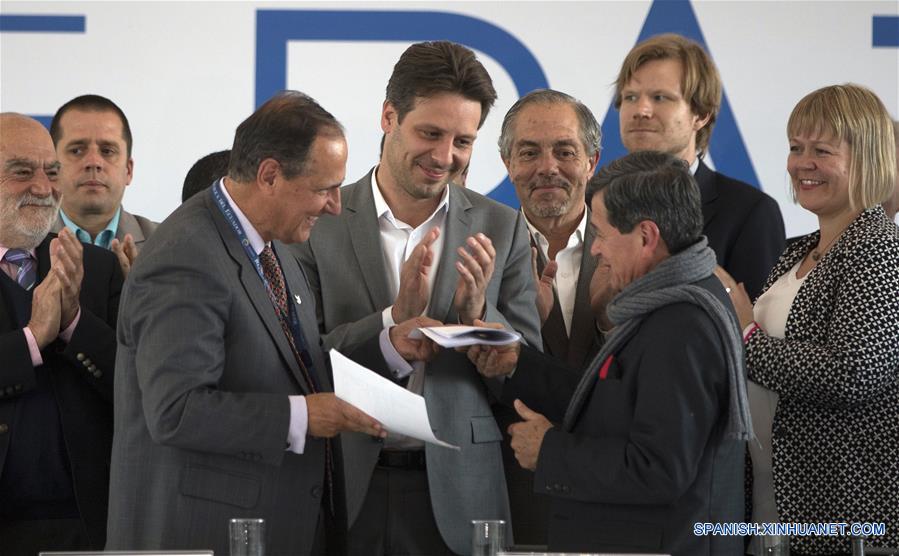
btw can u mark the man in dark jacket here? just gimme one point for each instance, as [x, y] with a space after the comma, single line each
[58, 305]
[649, 440]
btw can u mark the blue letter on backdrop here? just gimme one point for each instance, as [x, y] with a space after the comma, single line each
[275, 28]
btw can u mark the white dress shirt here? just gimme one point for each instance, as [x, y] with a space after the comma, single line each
[569, 261]
[398, 240]
[299, 412]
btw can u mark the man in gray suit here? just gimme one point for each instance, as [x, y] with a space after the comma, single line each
[409, 243]
[550, 146]
[222, 403]
[93, 142]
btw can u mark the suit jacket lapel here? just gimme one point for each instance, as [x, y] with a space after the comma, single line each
[128, 225]
[362, 226]
[43, 257]
[456, 230]
[297, 286]
[583, 323]
[555, 339]
[708, 191]
[255, 290]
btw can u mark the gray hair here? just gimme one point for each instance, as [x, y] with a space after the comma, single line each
[654, 186]
[590, 132]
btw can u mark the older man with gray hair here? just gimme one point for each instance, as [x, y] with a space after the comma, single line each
[649, 439]
[58, 305]
[550, 144]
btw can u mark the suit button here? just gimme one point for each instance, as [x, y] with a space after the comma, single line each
[92, 368]
[565, 488]
[97, 374]
[87, 362]
[316, 491]
[549, 488]
[4, 428]
[18, 387]
[10, 390]
[80, 357]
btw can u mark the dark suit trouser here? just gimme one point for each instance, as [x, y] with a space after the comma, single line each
[28, 538]
[396, 517]
[530, 511]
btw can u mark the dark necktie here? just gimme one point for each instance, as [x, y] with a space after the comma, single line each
[26, 275]
[271, 269]
[278, 294]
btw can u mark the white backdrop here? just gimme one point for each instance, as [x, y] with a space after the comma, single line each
[185, 73]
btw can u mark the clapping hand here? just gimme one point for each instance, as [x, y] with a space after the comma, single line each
[475, 270]
[544, 281]
[66, 255]
[45, 311]
[414, 291]
[126, 251]
[738, 296]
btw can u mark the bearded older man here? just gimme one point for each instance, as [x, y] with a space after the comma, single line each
[58, 305]
[648, 440]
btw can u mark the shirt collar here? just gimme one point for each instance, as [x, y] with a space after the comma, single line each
[694, 166]
[256, 241]
[574, 239]
[382, 209]
[4, 249]
[103, 238]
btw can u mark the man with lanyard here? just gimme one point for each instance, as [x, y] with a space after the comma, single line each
[223, 403]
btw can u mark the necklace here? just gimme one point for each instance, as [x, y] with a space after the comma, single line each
[818, 253]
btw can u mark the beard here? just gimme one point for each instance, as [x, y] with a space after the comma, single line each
[554, 206]
[25, 228]
[403, 173]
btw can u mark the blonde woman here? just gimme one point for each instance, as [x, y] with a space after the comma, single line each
[822, 341]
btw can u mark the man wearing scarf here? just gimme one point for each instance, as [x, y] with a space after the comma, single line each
[649, 440]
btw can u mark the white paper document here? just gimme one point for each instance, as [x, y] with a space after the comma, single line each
[457, 335]
[399, 410]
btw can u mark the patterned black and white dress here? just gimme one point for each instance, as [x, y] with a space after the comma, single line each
[836, 427]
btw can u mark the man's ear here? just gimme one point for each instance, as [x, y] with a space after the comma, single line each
[267, 173]
[130, 167]
[594, 162]
[650, 235]
[389, 117]
[700, 122]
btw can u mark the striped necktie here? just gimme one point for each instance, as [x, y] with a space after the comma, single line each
[271, 269]
[26, 275]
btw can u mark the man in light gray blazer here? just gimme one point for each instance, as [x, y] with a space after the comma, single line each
[409, 243]
[93, 142]
[222, 393]
[550, 146]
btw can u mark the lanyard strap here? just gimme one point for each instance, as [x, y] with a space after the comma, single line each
[231, 218]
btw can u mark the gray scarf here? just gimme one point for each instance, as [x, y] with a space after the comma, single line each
[671, 281]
